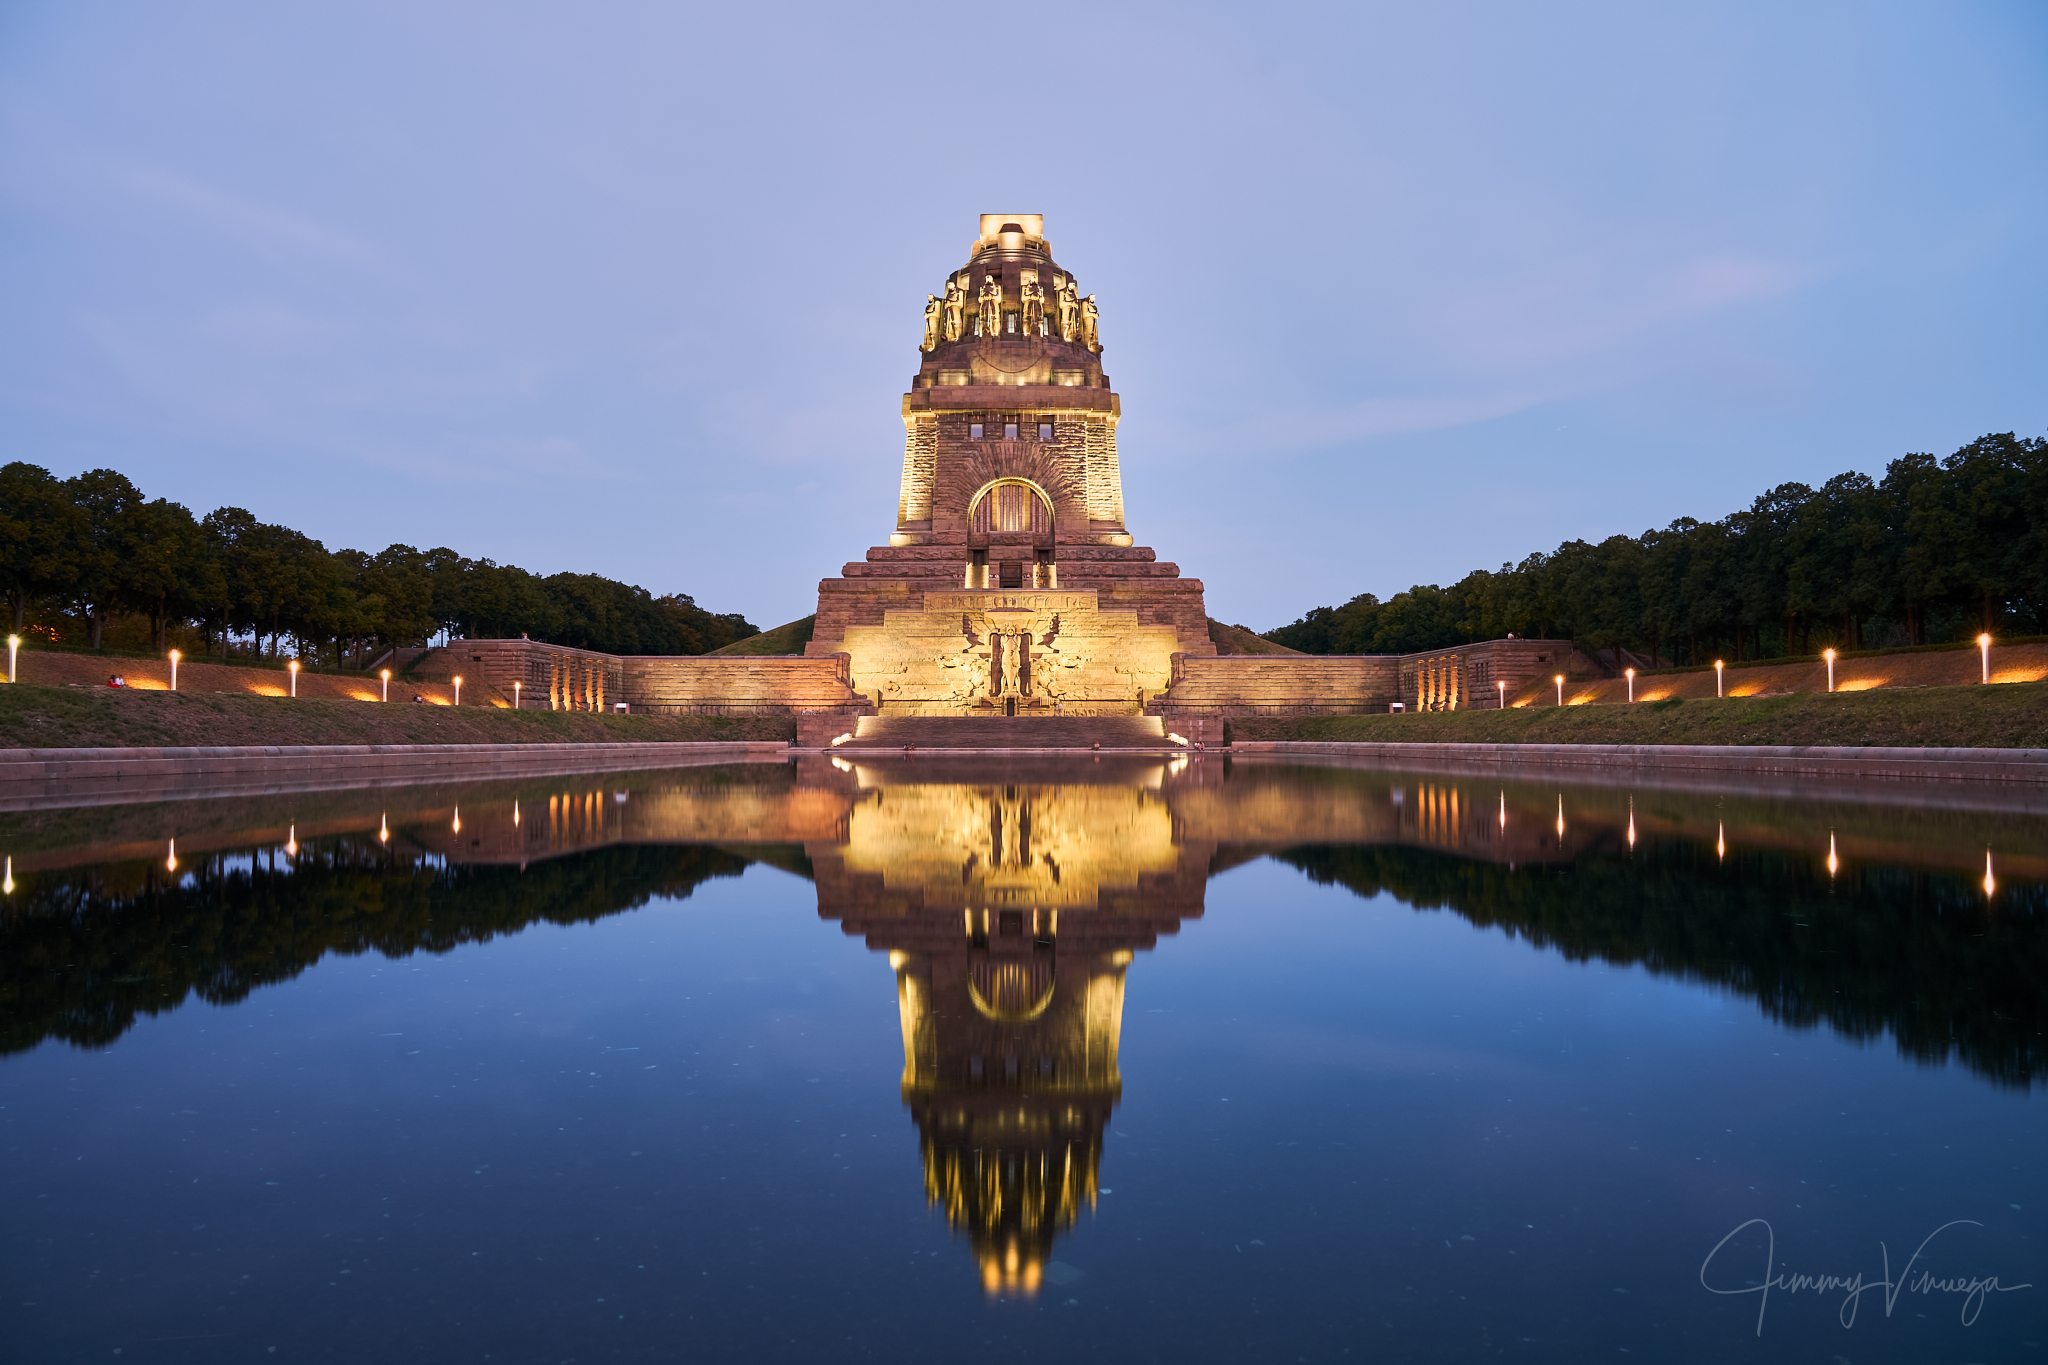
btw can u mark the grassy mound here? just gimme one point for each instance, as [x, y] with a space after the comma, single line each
[83, 717]
[784, 639]
[1242, 640]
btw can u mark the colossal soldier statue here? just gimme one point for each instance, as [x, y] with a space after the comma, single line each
[1069, 307]
[991, 306]
[933, 311]
[1032, 300]
[956, 307]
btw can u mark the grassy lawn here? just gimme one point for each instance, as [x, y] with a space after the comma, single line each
[2003, 716]
[73, 717]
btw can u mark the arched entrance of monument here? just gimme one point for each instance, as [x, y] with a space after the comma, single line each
[1010, 535]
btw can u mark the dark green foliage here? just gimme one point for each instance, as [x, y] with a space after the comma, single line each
[1937, 550]
[76, 552]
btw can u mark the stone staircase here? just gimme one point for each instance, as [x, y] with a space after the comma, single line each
[1009, 732]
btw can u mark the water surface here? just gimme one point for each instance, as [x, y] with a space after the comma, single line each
[1160, 1060]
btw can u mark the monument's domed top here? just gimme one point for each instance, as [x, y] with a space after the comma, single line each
[1009, 311]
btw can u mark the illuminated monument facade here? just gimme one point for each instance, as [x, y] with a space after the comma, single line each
[1010, 584]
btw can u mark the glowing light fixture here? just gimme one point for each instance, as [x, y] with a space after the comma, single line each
[1990, 882]
[1721, 841]
[515, 812]
[1983, 653]
[383, 829]
[1834, 863]
[1630, 673]
[293, 668]
[13, 648]
[175, 656]
[515, 694]
[1501, 686]
[384, 675]
[1503, 811]
[455, 826]
[7, 881]
[1719, 665]
[1560, 815]
[1559, 680]
[1631, 820]
[458, 689]
[171, 857]
[1829, 655]
[291, 842]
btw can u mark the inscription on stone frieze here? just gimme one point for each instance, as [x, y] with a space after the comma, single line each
[959, 600]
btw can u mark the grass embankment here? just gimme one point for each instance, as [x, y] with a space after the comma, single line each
[2002, 716]
[788, 638]
[1242, 640]
[84, 717]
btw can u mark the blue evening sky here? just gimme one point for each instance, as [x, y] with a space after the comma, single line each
[1390, 291]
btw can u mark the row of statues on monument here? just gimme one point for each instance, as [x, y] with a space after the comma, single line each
[1074, 317]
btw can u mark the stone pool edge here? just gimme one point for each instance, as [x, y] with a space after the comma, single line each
[2027, 766]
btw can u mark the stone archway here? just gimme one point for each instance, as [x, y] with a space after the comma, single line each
[1010, 510]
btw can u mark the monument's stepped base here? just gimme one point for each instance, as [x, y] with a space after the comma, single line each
[1007, 732]
[896, 578]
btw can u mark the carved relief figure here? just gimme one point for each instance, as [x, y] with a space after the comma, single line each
[956, 307]
[991, 306]
[966, 671]
[933, 310]
[1013, 664]
[1033, 304]
[1091, 320]
[1064, 288]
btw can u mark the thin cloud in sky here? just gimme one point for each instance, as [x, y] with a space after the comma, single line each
[274, 232]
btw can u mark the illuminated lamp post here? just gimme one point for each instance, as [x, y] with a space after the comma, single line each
[515, 694]
[1719, 664]
[1559, 680]
[385, 675]
[1829, 655]
[1983, 653]
[1501, 686]
[293, 669]
[1631, 674]
[458, 689]
[175, 656]
[13, 648]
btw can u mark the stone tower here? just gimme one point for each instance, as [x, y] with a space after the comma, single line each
[1010, 584]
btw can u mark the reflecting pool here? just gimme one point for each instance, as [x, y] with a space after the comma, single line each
[1142, 1059]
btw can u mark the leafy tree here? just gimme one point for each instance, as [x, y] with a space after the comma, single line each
[40, 530]
[107, 526]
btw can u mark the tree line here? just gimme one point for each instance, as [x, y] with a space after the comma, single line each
[1935, 551]
[78, 553]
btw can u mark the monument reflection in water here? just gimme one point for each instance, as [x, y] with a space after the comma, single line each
[1012, 903]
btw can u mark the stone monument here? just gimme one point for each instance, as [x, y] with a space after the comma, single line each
[1010, 585]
